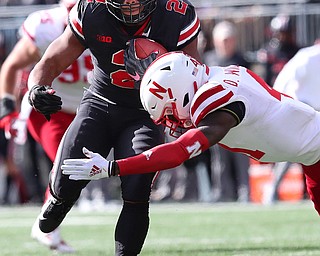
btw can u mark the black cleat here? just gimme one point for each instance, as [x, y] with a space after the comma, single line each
[52, 214]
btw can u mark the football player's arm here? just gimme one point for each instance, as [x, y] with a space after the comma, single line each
[166, 156]
[216, 125]
[60, 54]
[158, 158]
[169, 155]
[24, 53]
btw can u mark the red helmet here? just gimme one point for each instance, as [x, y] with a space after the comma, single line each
[125, 12]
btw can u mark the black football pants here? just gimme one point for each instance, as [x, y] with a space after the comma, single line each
[100, 126]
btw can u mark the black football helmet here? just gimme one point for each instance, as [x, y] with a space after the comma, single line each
[124, 12]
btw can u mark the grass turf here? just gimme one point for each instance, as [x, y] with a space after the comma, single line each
[178, 229]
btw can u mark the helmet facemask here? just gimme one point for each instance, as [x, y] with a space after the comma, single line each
[170, 119]
[131, 13]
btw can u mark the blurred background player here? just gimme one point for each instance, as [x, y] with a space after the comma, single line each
[11, 173]
[299, 79]
[37, 32]
[281, 47]
[13, 179]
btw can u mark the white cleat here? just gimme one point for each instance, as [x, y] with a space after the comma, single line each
[51, 240]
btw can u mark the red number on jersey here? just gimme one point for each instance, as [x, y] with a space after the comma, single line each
[120, 77]
[255, 154]
[177, 6]
[77, 71]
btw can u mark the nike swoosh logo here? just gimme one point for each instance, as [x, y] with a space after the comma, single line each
[135, 77]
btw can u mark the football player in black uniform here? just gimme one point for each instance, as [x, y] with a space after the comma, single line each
[110, 114]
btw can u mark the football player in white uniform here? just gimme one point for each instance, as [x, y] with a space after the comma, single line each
[298, 79]
[231, 106]
[37, 32]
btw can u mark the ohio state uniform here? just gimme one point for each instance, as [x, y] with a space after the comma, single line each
[106, 37]
[43, 27]
[280, 118]
[110, 114]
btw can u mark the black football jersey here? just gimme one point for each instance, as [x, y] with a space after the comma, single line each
[174, 24]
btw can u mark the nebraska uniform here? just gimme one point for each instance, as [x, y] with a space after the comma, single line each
[280, 118]
[178, 92]
[271, 127]
[42, 27]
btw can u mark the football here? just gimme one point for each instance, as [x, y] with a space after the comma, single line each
[144, 47]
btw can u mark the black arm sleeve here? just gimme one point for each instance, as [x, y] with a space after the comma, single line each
[237, 109]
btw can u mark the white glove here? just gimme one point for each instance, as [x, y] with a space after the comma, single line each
[94, 167]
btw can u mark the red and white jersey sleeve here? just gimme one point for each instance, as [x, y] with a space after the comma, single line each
[275, 127]
[43, 27]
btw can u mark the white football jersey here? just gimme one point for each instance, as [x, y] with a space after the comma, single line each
[45, 26]
[275, 128]
[300, 77]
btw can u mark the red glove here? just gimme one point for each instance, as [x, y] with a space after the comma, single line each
[7, 121]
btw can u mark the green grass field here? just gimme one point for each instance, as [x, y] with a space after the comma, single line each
[179, 229]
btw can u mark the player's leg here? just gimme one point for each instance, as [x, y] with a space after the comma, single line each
[133, 222]
[89, 128]
[312, 174]
[49, 135]
[52, 132]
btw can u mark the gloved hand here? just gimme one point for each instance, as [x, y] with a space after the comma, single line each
[7, 105]
[7, 121]
[134, 66]
[94, 167]
[42, 99]
[17, 130]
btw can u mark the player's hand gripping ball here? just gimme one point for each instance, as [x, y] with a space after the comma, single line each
[140, 53]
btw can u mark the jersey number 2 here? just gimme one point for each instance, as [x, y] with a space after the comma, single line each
[177, 6]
